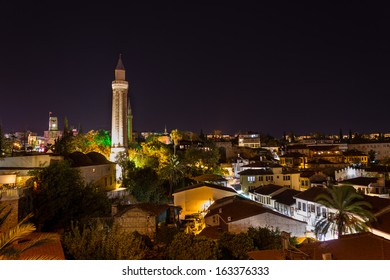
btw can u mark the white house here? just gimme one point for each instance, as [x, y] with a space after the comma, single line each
[236, 214]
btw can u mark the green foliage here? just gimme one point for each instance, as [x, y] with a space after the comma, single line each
[153, 154]
[165, 234]
[203, 160]
[60, 196]
[173, 172]
[144, 184]
[235, 246]
[93, 141]
[265, 238]
[176, 136]
[371, 155]
[352, 212]
[10, 248]
[190, 247]
[99, 242]
[65, 144]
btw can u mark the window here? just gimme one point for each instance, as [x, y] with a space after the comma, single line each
[304, 207]
[261, 178]
[268, 178]
[324, 212]
[251, 178]
[286, 177]
[318, 211]
[299, 205]
[311, 208]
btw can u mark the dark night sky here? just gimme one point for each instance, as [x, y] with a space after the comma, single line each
[192, 65]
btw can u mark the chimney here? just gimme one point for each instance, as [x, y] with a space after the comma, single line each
[285, 240]
[114, 209]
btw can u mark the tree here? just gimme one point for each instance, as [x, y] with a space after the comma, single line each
[98, 241]
[153, 154]
[235, 246]
[173, 172]
[192, 247]
[93, 141]
[371, 155]
[176, 136]
[60, 195]
[204, 160]
[351, 215]
[144, 184]
[341, 136]
[65, 144]
[265, 238]
[11, 237]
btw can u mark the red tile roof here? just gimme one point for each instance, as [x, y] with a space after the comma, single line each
[52, 249]
[362, 246]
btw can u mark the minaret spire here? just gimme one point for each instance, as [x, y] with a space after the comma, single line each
[120, 73]
[119, 65]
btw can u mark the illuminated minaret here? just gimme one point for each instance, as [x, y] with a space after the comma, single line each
[120, 126]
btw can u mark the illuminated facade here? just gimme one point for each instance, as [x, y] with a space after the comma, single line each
[249, 140]
[121, 128]
[53, 132]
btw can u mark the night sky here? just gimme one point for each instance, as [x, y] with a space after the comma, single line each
[214, 65]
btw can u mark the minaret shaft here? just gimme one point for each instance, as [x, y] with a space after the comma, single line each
[119, 124]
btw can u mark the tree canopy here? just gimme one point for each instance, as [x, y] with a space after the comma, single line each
[60, 195]
[352, 213]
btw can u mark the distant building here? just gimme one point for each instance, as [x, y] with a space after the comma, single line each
[369, 185]
[260, 173]
[381, 149]
[53, 132]
[249, 140]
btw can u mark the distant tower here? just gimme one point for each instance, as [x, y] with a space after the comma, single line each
[52, 133]
[121, 127]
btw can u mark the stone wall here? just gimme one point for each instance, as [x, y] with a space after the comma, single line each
[136, 220]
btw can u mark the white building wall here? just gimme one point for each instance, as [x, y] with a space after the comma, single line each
[268, 220]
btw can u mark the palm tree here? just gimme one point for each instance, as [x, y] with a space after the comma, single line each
[10, 238]
[176, 136]
[173, 172]
[352, 212]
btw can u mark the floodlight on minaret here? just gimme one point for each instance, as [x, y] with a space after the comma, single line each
[119, 124]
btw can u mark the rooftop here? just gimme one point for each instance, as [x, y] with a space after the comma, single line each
[208, 185]
[361, 246]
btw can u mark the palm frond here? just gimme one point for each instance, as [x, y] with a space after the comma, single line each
[15, 234]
